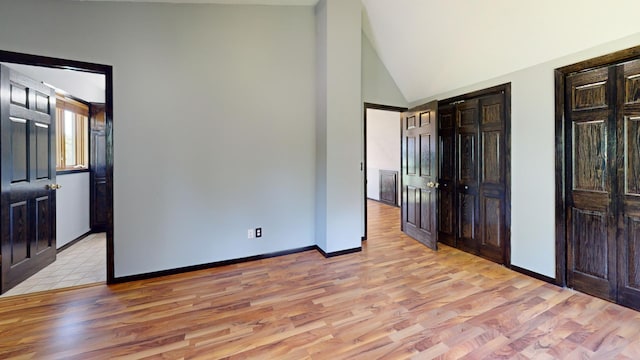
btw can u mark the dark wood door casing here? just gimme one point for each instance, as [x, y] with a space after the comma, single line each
[420, 173]
[28, 200]
[474, 197]
[598, 176]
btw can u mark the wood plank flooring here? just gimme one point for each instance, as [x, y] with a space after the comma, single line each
[394, 300]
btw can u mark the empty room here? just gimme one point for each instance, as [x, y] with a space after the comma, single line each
[241, 213]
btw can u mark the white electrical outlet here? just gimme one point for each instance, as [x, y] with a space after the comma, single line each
[251, 234]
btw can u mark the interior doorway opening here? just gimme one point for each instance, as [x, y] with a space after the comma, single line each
[381, 166]
[87, 180]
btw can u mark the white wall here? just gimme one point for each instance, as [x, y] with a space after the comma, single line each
[383, 148]
[378, 87]
[533, 155]
[339, 125]
[72, 207]
[213, 121]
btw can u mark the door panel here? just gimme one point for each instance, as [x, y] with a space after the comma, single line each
[632, 155]
[628, 161]
[591, 249]
[44, 240]
[98, 167]
[492, 193]
[467, 220]
[411, 204]
[27, 205]
[490, 157]
[467, 182]
[447, 172]
[467, 158]
[19, 149]
[590, 154]
[419, 174]
[427, 222]
[491, 215]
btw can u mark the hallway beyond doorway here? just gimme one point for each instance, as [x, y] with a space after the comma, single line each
[81, 264]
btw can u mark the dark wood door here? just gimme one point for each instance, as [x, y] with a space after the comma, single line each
[473, 199]
[420, 173]
[98, 168]
[467, 179]
[28, 200]
[591, 165]
[492, 191]
[628, 172]
[447, 172]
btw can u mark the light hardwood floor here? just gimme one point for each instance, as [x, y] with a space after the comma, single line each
[394, 300]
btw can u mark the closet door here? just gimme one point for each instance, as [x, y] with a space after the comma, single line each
[492, 178]
[467, 171]
[591, 165]
[446, 195]
[628, 131]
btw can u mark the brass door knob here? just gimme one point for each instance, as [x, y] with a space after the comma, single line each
[54, 186]
[432, 184]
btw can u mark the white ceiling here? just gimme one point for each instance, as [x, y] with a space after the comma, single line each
[434, 46]
[85, 86]
[229, 2]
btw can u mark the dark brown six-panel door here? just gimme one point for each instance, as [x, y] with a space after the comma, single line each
[591, 213]
[419, 173]
[28, 203]
[602, 108]
[473, 173]
[628, 166]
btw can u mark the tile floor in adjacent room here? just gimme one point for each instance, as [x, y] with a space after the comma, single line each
[82, 263]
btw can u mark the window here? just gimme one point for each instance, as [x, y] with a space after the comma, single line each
[72, 146]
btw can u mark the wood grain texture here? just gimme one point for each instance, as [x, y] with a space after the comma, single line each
[419, 159]
[394, 300]
[388, 187]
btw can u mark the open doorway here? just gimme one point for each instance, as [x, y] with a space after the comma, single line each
[382, 168]
[82, 232]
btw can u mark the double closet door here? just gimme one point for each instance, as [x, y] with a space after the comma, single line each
[602, 148]
[473, 175]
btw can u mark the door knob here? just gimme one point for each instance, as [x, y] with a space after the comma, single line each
[432, 184]
[54, 186]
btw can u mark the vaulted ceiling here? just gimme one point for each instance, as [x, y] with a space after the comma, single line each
[433, 46]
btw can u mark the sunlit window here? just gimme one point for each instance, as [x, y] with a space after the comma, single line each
[72, 147]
